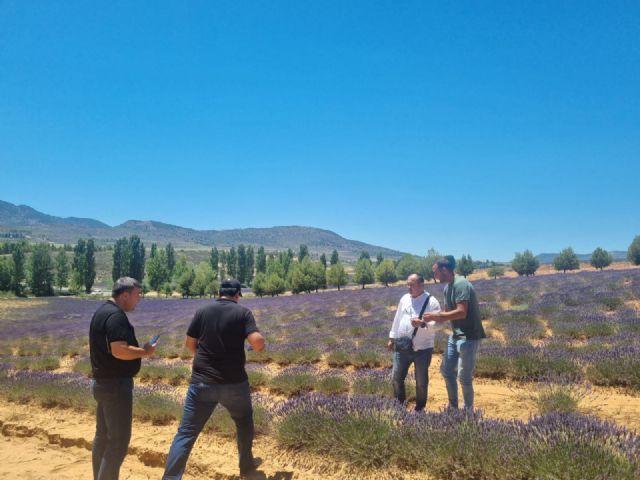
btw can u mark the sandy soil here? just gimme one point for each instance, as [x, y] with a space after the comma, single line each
[41, 443]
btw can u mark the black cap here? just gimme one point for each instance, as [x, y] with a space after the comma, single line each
[230, 286]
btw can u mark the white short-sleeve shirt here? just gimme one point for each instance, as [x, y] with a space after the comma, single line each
[409, 308]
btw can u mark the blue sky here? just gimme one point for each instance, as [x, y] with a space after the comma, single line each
[472, 127]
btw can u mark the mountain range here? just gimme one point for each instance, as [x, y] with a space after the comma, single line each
[23, 221]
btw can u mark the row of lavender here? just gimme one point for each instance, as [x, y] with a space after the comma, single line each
[578, 326]
[371, 432]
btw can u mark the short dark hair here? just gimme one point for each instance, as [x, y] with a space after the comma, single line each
[229, 287]
[448, 262]
[124, 284]
[418, 276]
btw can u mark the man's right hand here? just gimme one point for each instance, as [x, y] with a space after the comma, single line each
[390, 345]
[149, 349]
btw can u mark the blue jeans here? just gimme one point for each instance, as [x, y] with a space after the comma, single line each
[421, 360]
[458, 362]
[113, 425]
[201, 400]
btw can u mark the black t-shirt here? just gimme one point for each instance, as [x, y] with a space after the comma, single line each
[110, 324]
[221, 329]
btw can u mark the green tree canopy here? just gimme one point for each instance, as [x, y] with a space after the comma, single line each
[566, 260]
[386, 272]
[633, 253]
[465, 265]
[336, 275]
[158, 270]
[128, 258]
[62, 269]
[18, 256]
[364, 274]
[407, 265]
[495, 271]
[261, 260]
[525, 263]
[171, 258]
[214, 260]
[334, 257]
[204, 281]
[260, 284]
[303, 252]
[6, 270]
[41, 271]
[600, 258]
[232, 263]
[185, 282]
[302, 276]
[275, 284]
[242, 264]
[251, 263]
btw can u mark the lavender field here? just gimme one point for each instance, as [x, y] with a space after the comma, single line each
[323, 384]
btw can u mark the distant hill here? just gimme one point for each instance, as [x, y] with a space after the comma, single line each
[32, 224]
[617, 255]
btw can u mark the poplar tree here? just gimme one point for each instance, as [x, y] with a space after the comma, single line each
[90, 266]
[242, 264]
[18, 271]
[171, 258]
[261, 261]
[62, 269]
[323, 261]
[232, 263]
[251, 261]
[41, 271]
[214, 260]
[78, 264]
[303, 252]
[334, 257]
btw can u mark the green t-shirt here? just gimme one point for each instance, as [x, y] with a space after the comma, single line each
[461, 290]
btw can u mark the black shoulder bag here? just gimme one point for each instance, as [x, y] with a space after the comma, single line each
[405, 344]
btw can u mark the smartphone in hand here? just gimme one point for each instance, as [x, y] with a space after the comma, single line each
[154, 339]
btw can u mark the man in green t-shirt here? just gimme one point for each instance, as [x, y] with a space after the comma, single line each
[462, 310]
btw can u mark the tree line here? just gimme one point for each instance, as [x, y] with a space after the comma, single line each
[38, 268]
[33, 267]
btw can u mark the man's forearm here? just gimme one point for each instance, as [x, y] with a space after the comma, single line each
[129, 353]
[456, 314]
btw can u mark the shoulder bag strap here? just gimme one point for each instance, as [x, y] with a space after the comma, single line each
[424, 307]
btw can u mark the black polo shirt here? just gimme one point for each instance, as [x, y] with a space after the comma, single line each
[221, 329]
[110, 324]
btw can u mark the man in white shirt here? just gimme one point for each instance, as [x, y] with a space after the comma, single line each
[406, 320]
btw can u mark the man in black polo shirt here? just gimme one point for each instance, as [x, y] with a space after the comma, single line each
[216, 337]
[115, 360]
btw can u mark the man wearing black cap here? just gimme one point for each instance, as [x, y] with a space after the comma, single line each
[115, 360]
[216, 337]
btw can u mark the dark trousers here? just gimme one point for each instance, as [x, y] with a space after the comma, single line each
[113, 425]
[201, 400]
[421, 360]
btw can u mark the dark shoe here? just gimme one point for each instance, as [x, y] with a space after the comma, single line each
[257, 461]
